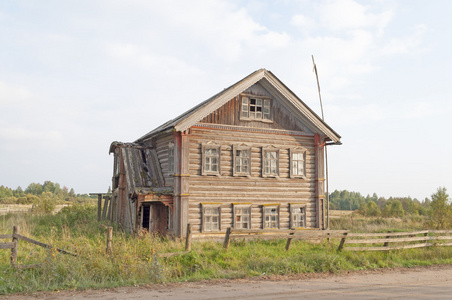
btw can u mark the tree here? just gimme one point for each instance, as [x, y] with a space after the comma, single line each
[440, 209]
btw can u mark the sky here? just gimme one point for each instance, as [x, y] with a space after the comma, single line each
[78, 75]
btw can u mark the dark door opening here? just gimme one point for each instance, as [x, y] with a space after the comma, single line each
[155, 217]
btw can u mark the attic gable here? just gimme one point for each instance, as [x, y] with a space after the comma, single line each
[271, 84]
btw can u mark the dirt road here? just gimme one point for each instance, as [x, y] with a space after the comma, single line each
[402, 283]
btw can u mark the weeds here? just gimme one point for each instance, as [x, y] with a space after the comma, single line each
[135, 260]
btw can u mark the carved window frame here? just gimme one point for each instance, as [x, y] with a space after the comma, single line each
[297, 215]
[239, 216]
[268, 211]
[294, 163]
[266, 160]
[205, 156]
[256, 108]
[210, 213]
[236, 159]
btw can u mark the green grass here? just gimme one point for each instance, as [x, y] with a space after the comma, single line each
[135, 260]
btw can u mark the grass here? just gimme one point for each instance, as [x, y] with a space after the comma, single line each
[135, 260]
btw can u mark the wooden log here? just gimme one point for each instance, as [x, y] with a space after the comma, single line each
[15, 242]
[188, 239]
[341, 245]
[387, 234]
[109, 209]
[392, 240]
[29, 240]
[6, 245]
[109, 240]
[227, 239]
[289, 241]
[104, 209]
[6, 236]
[99, 206]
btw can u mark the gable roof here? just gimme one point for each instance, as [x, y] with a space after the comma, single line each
[269, 81]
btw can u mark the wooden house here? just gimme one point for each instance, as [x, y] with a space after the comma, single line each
[250, 157]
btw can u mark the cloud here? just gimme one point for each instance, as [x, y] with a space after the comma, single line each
[342, 15]
[14, 94]
[13, 138]
[354, 115]
[406, 44]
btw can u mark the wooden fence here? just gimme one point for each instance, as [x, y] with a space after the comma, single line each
[395, 240]
[294, 234]
[14, 245]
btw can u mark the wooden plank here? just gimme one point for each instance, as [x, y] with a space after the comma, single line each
[29, 240]
[6, 236]
[387, 234]
[6, 245]
[390, 240]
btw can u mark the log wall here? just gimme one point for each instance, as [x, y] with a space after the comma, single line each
[227, 189]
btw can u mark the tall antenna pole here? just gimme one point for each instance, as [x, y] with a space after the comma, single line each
[326, 152]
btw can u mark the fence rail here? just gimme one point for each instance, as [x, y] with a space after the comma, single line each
[14, 246]
[297, 234]
[387, 241]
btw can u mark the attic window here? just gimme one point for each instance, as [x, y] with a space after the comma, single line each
[255, 108]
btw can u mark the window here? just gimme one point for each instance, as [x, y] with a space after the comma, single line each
[271, 216]
[298, 162]
[255, 108]
[211, 217]
[171, 158]
[242, 216]
[270, 162]
[242, 161]
[210, 159]
[297, 216]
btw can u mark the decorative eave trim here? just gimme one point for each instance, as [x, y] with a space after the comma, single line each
[220, 101]
[250, 129]
[318, 123]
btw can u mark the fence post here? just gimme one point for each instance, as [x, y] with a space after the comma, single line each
[188, 239]
[109, 238]
[289, 241]
[14, 249]
[386, 244]
[341, 245]
[99, 206]
[227, 238]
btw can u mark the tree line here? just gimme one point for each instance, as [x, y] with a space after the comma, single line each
[378, 206]
[438, 209]
[37, 193]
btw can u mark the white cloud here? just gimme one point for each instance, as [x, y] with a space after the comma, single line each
[14, 94]
[354, 115]
[406, 44]
[16, 137]
[420, 110]
[348, 14]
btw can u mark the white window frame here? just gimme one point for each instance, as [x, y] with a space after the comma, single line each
[204, 157]
[293, 151]
[171, 158]
[293, 215]
[236, 159]
[266, 160]
[266, 216]
[238, 217]
[255, 108]
[208, 217]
